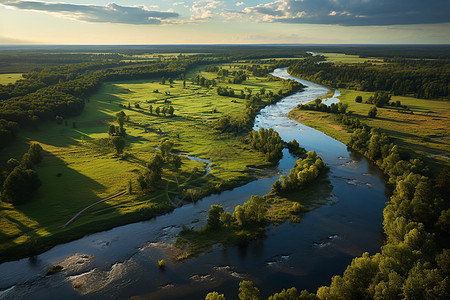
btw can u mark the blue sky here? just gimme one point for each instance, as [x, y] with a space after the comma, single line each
[224, 22]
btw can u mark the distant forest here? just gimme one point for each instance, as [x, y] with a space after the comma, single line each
[427, 79]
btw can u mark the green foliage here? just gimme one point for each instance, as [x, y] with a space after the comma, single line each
[372, 112]
[11, 164]
[214, 215]
[176, 162]
[305, 171]
[247, 291]
[226, 219]
[162, 264]
[268, 142]
[166, 147]
[380, 99]
[252, 211]
[121, 118]
[19, 186]
[358, 99]
[35, 153]
[335, 108]
[295, 149]
[118, 143]
[215, 296]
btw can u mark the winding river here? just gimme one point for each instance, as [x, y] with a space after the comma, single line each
[122, 262]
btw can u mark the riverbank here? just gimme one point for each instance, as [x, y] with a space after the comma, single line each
[426, 135]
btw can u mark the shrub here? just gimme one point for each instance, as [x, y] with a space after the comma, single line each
[161, 264]
[372, 112]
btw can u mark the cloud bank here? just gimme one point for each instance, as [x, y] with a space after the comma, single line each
[352, 12]
[111, 13]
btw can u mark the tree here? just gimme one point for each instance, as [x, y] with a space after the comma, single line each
[247, 291]
[239, 215]
[358, 99]
[215, 296]
[121, 118]
[170, 110]
[214, 216]
[35, 153]
[317, 102]
[118, 143]
[226, 219]
[155, 164]
[11, 164]
[26, 162]
[130, 188]
[59, 120]
[157, 110]
[19, 186]
[372, 112]
[112, 130]
[151, 109]
[163, 80]
[176, 162]
[166, 147]
[289, 294]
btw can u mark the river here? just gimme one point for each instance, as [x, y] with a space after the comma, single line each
[122, 262]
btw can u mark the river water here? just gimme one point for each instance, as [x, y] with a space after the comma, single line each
[122, 262]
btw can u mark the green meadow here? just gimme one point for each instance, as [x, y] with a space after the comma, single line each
[10, 78]
[80, 168]
[423, 130]
[341, 58]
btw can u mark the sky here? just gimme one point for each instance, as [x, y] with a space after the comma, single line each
[130, 22]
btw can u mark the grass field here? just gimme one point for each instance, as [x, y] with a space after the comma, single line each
[10, 78]
[341, 58]
[89, 171]
[426, 132]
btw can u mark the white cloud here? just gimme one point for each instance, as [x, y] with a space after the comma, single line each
[352, 13]
[203, 10]
[240, 3]
[111, 13]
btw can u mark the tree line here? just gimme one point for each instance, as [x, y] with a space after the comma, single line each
[419, 78]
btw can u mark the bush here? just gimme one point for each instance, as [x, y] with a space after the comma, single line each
[372, 112]
[161, 264]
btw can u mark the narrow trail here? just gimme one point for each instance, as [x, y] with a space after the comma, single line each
[87, 207]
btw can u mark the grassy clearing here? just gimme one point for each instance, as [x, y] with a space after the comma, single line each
[10, 78]
[77, 170]
[341, 58]
[426, 132]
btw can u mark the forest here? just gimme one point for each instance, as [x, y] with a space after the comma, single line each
[420, 78]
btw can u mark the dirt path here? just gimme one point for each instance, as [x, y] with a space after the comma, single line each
[87, 207]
